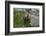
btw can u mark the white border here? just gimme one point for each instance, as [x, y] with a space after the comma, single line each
[29, 28]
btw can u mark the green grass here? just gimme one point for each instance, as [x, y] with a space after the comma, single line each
[18, 19]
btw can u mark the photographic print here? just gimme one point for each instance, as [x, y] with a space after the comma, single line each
[24, 17]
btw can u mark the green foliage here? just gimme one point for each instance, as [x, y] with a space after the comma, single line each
[18, 19]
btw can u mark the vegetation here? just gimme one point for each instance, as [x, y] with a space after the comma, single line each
[20, 21]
